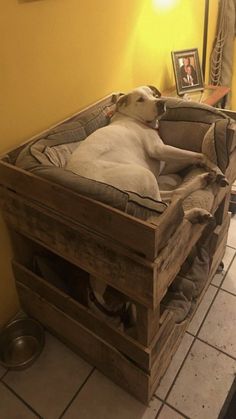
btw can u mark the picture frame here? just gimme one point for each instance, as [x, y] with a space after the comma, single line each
[187, 71]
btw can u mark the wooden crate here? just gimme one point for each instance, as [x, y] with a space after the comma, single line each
[133, 366]
[133, 256]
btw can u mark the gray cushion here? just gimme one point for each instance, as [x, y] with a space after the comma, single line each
[188, 125]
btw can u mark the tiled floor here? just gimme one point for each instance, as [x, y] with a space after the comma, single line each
[62, 385]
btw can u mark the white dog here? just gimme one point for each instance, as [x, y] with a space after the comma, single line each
[128, 153]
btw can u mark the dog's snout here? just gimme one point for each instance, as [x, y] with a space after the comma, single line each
[160, 106]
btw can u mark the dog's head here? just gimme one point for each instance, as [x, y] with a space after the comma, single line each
[143, 103]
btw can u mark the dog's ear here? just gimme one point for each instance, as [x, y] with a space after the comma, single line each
[122, 101]
[155, 91]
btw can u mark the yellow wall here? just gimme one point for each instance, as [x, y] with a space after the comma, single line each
[59, 55]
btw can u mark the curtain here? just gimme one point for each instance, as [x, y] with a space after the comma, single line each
[221, 66]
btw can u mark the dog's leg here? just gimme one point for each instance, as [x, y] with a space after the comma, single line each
[194, 215]
[198, 216]
[168, 153]
[220, 177]
[199, 182]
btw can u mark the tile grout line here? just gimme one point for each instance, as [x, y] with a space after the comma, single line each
[22, 400]
[77, 392]
[172, 407]
[225, 274]
[164, 400]
[222, 289]
[227, 271]
[212, 302]
[4, 374]
[160, 408]
[215, 347]
[231, 247]
[186, 356]
[195, 337]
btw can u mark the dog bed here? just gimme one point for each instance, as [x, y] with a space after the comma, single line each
[185, 125]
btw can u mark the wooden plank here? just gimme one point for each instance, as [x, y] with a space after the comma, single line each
[147, 323]
[95, 350]
[165, 228]
[218, 256]
[165, 355]
[223, 208]
[162, 336]
[220, 233]
[135, 278]
[171, 258]
[218, 93]
[131, 232]
[83, 315]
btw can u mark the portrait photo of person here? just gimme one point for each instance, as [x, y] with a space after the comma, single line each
[187, 71]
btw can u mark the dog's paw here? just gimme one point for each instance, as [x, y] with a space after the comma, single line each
[198, 216]
[214, 177]
[210, 177]
[221, 180]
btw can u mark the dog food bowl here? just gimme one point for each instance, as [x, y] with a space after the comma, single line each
[21, 342]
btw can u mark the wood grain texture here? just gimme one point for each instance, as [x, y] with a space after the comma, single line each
[122, 228]
[95, 350]
[122, 342]
[135, 278]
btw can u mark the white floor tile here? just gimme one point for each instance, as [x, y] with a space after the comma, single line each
[168, 413]
[51, 382]
[100, 398]
[220, 324]
[203, 383]
[232, 232]
[218, 278]
[228, 256]
[11, 407]
[229, 283]
[202, 309]
[174, 366]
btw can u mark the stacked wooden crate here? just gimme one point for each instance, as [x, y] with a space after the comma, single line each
[137, 258]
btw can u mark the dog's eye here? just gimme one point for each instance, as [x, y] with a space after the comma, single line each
[141, 99]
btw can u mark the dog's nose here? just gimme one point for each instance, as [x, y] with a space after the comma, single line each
[160, 106]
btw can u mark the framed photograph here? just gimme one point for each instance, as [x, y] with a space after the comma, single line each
[187, 69]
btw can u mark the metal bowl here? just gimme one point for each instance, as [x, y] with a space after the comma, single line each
[21, 342]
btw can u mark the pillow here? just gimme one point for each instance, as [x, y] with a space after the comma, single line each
[182, 134]
[197, 127]
[55, 147]
[60, 154]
